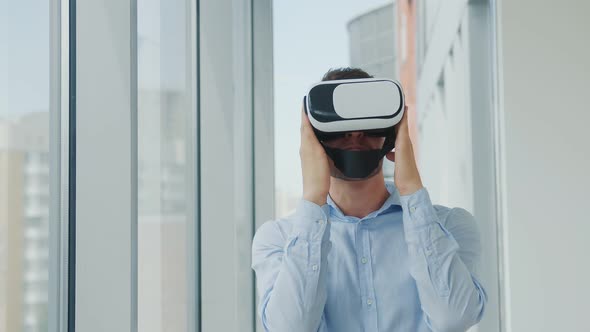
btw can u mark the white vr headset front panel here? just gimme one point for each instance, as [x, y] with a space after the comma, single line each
[371, 99]
[357, 103]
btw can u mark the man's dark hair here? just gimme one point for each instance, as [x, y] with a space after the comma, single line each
[345, 73]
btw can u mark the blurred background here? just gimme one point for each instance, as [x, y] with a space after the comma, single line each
[143, 142]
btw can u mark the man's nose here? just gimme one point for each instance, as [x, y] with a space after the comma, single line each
[354, 134]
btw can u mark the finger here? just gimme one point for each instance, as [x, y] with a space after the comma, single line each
[302, 115]
[307, 133]
[405, 116]
[403, 123]
[304, 120]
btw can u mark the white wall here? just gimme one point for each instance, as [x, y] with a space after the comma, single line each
[545, 68]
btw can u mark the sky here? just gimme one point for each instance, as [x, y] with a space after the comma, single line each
[24, 56]
[310, 37]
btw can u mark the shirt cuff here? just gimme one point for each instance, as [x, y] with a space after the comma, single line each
[311, 220]
[418, 210]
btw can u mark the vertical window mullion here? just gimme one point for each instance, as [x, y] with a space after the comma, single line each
[105, 217]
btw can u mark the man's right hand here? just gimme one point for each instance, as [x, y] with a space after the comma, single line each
[314, 164]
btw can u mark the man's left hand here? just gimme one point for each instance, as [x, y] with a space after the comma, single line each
[406, 175]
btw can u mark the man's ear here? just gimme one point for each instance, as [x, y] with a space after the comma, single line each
[391, 156]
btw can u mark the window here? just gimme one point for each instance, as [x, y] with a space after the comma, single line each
[24, 151]
[165, 135]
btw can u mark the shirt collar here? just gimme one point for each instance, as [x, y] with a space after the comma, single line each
[391, 202]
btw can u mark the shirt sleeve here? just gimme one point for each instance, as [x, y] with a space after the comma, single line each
[291, 270]
[443, 258]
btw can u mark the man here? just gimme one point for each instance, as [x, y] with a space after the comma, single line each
[367, 255]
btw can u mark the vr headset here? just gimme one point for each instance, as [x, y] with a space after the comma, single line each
[372, 105]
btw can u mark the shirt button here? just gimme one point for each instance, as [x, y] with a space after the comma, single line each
[428, 251]
[320, 221]
[314, 267]
[369, 302]
[413, 209]
[364, 260]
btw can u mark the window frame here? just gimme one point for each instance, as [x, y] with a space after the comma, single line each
[59, 161]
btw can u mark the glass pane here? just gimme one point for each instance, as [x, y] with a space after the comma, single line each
[164, 152]
[335, 34]
[24, 165]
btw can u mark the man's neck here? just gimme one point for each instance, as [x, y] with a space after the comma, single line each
[359, 198]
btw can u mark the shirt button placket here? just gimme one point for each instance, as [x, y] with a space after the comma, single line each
[370, 289]
[365, 268]
[364, 291]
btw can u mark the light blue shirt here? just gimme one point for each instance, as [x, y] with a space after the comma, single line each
[409, 266]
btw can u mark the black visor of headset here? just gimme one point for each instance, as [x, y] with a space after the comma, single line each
[324, 137]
